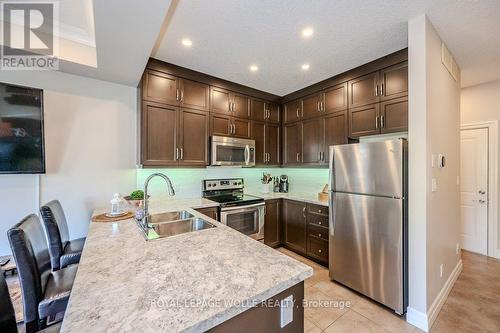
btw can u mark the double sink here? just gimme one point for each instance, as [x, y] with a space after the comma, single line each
[173, 223]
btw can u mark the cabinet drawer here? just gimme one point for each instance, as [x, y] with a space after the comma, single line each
[317, 248]
[317, 231]
[317, 209]
[319, 220]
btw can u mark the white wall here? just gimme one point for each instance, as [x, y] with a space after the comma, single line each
[90, 141]
[434, 125]
[478, 104]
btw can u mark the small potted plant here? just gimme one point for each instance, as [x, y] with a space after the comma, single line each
[136, 198]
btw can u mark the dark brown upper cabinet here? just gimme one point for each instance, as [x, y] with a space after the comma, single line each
[193, 137]
[394, 115]
[295, 224]
[335, 132]
[272, 223]
[394, 81]
[230, 126]
[292, 136]
[311, 106]
[194, 95]
[364, 120]
[293, 111]
[265, 111]
[364, 90]
[161, 88]
[173, 136]
[159, 134]
[267, 143]
[335, 98]
[311, 141]
[230, 103]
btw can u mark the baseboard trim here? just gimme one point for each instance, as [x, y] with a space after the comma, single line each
[417, 318]
[425, 321]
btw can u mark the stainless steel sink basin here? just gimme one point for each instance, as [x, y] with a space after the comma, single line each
[170, 216]
[174, 223]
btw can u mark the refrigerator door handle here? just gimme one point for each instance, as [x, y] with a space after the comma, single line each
[333, 210]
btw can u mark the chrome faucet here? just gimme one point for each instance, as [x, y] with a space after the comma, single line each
[171, 192]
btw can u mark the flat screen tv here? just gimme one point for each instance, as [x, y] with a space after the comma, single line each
[21, 130]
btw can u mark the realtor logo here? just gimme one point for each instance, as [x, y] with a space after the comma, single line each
[28, 35]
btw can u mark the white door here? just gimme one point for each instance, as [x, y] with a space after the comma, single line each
[474, 190]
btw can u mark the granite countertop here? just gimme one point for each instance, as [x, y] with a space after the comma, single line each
[190, 282]
[299, 196]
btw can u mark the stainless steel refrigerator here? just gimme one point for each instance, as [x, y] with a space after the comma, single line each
[368, 220]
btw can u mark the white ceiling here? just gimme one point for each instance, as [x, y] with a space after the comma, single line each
[228, 36]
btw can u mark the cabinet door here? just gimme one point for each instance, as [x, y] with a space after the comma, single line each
[293, 111]
[258, 110]
[273, 135]
[293, 151]
[335, 131]
[310, 106]
[193, 138]
[394, 115]
[394, 81]
[220, 101]
[220, 125]
[159, 134]
[294, 216]
[273, 112]
[272, 223]
[335, 98]
[311, 141]
[364, 120]
[161, 88]
[241, 128]
[195, 95]
[241, 106]
[363, 90]
[259, 134]
[211, 212]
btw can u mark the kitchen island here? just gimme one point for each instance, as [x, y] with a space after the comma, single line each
[193, 282]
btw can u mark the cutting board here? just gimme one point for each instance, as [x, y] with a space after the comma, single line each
[104, 218]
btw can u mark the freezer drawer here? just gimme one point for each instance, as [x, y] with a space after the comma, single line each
[366, 246]
[368, 168]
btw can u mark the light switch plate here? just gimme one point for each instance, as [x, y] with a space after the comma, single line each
[286, 307]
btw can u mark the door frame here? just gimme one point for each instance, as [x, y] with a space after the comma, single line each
[492, 127]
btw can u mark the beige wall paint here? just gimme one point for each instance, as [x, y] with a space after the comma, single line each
[478, 104]
[90, 141]
[434, 125]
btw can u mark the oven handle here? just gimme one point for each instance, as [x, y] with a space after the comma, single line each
[242, 208]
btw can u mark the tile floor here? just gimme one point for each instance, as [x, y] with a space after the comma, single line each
[470, 307]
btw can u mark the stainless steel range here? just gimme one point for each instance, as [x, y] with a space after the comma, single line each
[237, 210]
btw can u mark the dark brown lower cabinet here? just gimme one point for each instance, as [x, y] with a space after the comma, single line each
[294, 218]
[211, 212]
[317, 233]
[272, 223]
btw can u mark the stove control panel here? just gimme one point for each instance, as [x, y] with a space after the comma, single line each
[223, 184]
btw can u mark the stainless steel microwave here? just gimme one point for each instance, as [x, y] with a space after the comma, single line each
[226, 151]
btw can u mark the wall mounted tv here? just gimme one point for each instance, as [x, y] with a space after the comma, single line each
[21, 130]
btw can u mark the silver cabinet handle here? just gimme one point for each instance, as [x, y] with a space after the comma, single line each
[376, 122]
[323, 105]
[481, 192]
[382, 121]
[176, 94]
[298, 155]
[182, 95]
[317, 106]
[265, 157]
[298, 113]
[376, 90]
[230, 128]
[381, 89]
[176, 154]
[319, 156]
[482, 201]
[319, 251]
[182, 153]
[304, 212]
[234, 128]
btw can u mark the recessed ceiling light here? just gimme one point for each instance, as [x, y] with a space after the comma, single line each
[254, 68]
[187, 42]
[307, 32]
[305, 67]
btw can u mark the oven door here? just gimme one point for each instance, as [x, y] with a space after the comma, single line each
[248, 220]
[232, 152]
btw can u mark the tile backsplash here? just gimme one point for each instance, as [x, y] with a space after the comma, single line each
[187, 182]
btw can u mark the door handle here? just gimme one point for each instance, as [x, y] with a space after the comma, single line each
[247, 155]
[331, 205]
[317, 106]
[381, 89]
[182, 153]
[382, 122]
[234, 128]
[176, 154]
[481, 192]
[298, 113]
[304, 212]
[482, 201]
[298, 155]
[177, 94]
[182, 95]
[376, 91]
[376, 122]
